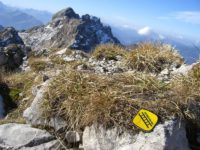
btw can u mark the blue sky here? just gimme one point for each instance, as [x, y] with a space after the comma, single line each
[178, 17]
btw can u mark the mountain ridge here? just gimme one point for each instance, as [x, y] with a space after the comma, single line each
[68, 29]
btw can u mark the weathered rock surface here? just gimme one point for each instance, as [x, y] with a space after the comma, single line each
[21, 137]
[169, 136]
[68, 29]
[184, 69]
[33, 114]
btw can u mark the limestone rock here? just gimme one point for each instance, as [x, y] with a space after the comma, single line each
[21, 136]
[34, 114]
[165, 136]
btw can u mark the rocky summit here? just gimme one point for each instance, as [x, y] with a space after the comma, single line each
[68, 29]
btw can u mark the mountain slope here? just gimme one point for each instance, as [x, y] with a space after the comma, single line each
[10, 16]
[68, 29]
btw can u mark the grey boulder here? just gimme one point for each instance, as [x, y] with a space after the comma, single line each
[22, 136]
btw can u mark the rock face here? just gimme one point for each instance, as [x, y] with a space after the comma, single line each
[167, 136]
[9, 36]
[12, 49]
[20, 136]
[68, 29]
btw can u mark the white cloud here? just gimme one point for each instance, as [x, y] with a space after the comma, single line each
[145, 31]
[162, 37]
[188, 16]
[184, 16]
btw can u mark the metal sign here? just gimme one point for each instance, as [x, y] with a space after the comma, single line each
[145, 120]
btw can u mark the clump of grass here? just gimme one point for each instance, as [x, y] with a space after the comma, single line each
[83, 98]
[186, 91]
[108, 52]
[153, 57]
[38, 64]
[57, 60]
[195, 72]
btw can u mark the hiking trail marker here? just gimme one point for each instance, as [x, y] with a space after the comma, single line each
[145, 120]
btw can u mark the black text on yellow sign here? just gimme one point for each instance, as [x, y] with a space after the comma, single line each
[145, 120]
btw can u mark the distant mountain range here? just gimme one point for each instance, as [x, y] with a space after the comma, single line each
[188, 48]
[22, 18]
[43, 16]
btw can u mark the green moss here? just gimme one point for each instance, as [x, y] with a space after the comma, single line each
[14, 94]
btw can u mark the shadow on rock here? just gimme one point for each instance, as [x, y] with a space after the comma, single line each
[8, 103]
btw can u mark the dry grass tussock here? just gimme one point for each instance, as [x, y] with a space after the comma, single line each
[108, 51]
[153, 57]
[38, 63]
[83, 99]
[186, 91]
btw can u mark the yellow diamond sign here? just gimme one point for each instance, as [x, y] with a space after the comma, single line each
[145, 120]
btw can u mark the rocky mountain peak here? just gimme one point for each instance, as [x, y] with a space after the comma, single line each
[87, 18]
[67, 12]
[68, 30]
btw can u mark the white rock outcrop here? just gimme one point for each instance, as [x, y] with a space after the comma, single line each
[167, 136]
[33, 113]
